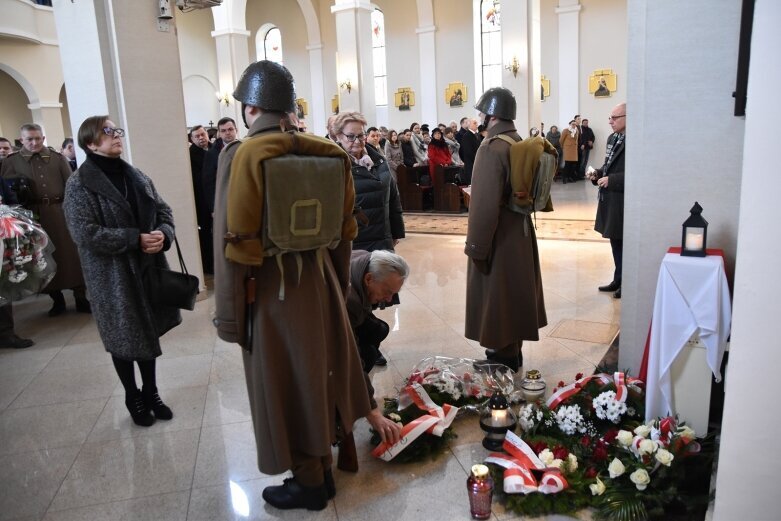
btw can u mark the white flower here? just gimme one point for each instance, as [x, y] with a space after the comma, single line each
[643, 430]
[569, 419]
[529, 417]
[686, 432]
[559, 464]
[624, 438]
[395, 417]
[572, 462]
[616, 468]
[647, 447]
[607, 408]
[546, 456]
[17, 276]
[640, 478]
[664, 457]
[598, 488]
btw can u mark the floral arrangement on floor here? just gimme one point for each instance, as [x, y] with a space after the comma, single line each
[588, 446]
[437, 390]
[25, 249]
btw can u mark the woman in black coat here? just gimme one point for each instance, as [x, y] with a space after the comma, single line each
[376, 192]
[121, 226]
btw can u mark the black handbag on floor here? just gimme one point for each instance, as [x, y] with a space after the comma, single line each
[170, 288]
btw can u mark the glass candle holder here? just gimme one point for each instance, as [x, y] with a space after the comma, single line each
[533, 386]
[480, 487]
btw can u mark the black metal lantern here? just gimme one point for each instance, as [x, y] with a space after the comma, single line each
[695, 233]
[496, 421]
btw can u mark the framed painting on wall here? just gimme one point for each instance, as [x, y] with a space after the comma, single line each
[404, 98]
[302, 108]
[602, 83]
[335, 104]
[544, 87]
[455, 94]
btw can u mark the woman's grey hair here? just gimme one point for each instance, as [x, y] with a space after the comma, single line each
[383, 263]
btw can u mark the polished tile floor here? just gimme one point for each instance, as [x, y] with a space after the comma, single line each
[69, 451]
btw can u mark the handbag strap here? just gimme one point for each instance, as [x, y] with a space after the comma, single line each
[181, 259]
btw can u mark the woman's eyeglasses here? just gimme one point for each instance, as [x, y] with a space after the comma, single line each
[114, 132]
[352, 137]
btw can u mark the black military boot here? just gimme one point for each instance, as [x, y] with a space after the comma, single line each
[290, 494]
[58, 304]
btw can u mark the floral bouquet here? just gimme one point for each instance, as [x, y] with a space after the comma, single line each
[26, 252]
[437, 390]
[590, 440]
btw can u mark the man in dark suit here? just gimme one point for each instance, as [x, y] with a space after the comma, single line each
[200, 146]
[468, 151]
[587, 139]
[610, 209]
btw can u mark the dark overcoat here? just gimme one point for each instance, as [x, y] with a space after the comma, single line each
[303, 366]
[47, 172]
[377, 194]
[610, 209]
[106, 231]
[506, 304]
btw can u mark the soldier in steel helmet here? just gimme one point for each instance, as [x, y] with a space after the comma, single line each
[504, 300]
[304, 376]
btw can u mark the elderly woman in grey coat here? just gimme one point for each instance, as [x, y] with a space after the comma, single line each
[121, 226]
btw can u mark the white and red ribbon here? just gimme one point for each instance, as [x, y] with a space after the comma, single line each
[435, 422]
[552, 482]
[568, 391]
[518, 464]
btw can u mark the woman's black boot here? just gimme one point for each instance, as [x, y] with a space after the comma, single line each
[138, 409]
[154, 403]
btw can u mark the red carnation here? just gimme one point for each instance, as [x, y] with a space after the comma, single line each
[561, 383]
[585, 441]
[610, 435]
[578, 376]
[600, 453]
[560, 452]
[538, 446]
[591, 472]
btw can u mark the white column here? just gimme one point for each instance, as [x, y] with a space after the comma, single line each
[569, 52]
[521, 41]
[354, 61]
[427, 98]
[49, 117]
[317, 110]
[106, 47]
[232, 58]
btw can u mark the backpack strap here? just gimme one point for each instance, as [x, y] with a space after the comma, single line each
[505, 138]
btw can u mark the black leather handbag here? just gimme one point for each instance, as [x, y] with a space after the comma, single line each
[170, 288]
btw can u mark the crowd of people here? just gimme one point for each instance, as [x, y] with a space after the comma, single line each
[302, 258]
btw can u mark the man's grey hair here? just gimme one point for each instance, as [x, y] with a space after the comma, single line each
[31, 127]
[383, 263]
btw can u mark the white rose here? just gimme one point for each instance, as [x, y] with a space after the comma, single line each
[687, 432]
[546, 456]
[664, 457]
[624, 438]
[647, 447]
[643, 430]
[395, 417]
[598, 488]
[559, 464]
[572, 462]
[640, 478]
[616, 468]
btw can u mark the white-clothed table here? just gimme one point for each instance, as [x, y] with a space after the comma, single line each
[692, 296]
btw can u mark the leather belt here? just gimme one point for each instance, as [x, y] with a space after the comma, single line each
[47, 200]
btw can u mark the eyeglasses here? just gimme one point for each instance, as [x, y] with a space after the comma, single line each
[115, 132]
[612, 118]
[352, 137]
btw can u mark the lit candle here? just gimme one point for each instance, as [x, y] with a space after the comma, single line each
[694, 239]
[499, 418]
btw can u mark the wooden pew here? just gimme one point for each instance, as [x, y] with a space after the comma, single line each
[447, 194]
[410, 189]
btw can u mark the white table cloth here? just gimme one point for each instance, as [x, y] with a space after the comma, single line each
[692, 295]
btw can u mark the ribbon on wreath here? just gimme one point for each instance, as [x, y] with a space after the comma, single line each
[518, 463]
[435, 422]
[568, 391]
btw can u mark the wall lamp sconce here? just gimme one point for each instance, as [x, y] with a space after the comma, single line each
[346, 85]
[513, 66]
[223, 97]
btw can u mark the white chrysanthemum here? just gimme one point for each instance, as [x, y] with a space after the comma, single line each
[607, 408]
[569, 419]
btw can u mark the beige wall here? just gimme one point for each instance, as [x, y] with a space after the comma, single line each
[13, 107]
[198, 56]
[455, 56]
[603, 34]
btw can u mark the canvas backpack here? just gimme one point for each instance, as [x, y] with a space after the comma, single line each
[533, 165]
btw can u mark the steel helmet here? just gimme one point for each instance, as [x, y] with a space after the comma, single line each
[268, 86]
[497, 102]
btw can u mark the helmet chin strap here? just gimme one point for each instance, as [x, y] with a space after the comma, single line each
[244, 115]
[485, 121]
